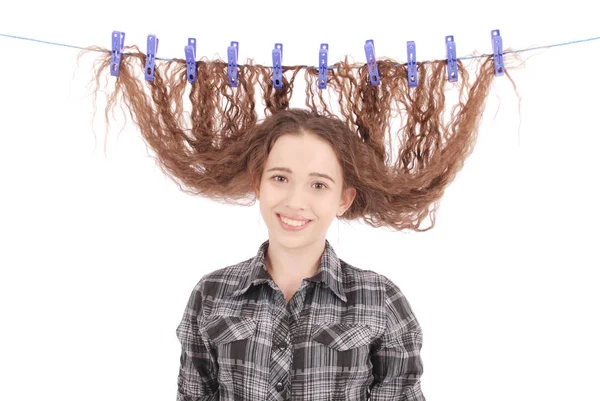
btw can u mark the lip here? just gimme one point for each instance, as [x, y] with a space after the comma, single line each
[291, 228]
[294, 218]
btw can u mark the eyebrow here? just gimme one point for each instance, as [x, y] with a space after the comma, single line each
[287, 170]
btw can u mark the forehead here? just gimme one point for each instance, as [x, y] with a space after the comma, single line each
[303, 152]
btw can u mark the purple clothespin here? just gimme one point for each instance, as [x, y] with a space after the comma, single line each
[190, 59]
[498, 57]
[413, 78]
[277, 69]
[323, 72]
[151, 57]
[232, 63]
[451, 57]
[372, 62]
[118, 40]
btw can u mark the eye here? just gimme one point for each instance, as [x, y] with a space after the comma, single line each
[280, 176]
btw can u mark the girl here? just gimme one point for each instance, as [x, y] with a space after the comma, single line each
[295, 321]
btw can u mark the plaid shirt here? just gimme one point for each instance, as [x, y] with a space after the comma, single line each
[347, 334]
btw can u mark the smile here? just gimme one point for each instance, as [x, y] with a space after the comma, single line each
[290, 227]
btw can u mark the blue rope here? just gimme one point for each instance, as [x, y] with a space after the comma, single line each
[426, 62]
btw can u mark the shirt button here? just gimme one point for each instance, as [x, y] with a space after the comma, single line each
[279, 386]
[283, 346]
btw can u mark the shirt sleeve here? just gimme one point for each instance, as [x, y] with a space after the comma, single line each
[197, 379]
[395, 356]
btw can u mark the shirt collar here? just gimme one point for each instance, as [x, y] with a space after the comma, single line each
[329, 271]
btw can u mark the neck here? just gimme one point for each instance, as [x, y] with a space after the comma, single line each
[294, 264]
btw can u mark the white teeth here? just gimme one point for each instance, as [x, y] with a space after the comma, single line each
[294, 223]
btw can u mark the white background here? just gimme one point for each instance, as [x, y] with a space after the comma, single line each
[99, 253]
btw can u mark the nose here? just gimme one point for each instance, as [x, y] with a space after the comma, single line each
[296, 198]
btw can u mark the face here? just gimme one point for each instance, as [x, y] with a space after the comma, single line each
[289, 187]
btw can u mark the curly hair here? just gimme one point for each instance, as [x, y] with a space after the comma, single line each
[219, 149]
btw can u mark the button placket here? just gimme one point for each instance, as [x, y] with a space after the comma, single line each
[284, 345]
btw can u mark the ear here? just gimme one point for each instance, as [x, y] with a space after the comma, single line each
[347, 198]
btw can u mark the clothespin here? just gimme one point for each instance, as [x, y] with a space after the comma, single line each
[498, 57]
[323, 73]
[118, 40]
[451, 56]
[151, 57]
[413, 78]
[190, 59]
[372, 62]
[232, 63]
[277, 69]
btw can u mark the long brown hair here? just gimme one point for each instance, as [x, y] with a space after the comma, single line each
[219, 149]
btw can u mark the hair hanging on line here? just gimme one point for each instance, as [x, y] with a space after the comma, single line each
[219, 149]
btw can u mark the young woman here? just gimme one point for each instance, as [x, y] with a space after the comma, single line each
[296, 321]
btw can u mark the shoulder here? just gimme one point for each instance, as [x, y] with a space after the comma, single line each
[217, 284]
[221, 281]
[373, 280]
[381, 287]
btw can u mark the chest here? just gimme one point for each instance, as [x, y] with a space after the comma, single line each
[262, 338]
